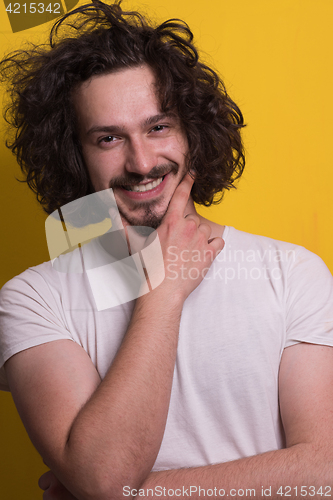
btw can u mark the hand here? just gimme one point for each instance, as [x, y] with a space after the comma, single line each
[53, 489]
[188, 251]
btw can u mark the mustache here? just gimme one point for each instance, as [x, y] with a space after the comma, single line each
[134, 178]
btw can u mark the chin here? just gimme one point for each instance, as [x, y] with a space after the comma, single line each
[150, 218]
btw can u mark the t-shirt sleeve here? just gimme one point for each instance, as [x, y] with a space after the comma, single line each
[309, 300]
[29, 316]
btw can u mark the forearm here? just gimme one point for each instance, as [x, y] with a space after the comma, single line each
[120, 429]
[280, 473]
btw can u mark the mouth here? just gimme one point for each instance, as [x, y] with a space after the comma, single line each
[147, 186]
[145, 191]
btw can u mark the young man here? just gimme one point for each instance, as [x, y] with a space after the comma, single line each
[218, 382]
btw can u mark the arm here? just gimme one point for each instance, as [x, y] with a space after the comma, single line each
[97, 436]
[306, 403]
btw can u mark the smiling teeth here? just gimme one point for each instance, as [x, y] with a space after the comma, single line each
[140, 188]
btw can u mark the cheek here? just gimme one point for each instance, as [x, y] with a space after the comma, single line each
[176, 147]
[101, 165]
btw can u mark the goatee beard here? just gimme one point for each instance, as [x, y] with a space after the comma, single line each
[150, 218]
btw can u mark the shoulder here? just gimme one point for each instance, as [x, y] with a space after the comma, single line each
[302, 279]
[288, 268]
[250, 240]
[269, 250]
[34, 281]
[46, 279]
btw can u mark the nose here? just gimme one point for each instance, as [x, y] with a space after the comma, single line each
[142, 156]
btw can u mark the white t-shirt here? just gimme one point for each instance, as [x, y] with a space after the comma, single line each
[259, 296]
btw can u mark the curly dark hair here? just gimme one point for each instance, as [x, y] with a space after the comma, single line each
[99, 39]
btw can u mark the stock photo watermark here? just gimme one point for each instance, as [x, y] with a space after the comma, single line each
[87, 236]
[23, 15]
[217, 492]
[238, 264]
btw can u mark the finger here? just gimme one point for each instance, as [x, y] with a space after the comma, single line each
[193, 217]
[216, 244]
[45, 480]
[180, 196]
[206, 229]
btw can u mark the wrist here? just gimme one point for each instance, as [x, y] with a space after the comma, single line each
[165, 297]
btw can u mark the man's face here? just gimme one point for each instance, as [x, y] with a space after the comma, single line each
[129, 145]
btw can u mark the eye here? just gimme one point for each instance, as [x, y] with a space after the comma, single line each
[159, 128]
[108, 141]
[108, 138]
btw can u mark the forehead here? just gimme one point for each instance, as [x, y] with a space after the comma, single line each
[118, 98]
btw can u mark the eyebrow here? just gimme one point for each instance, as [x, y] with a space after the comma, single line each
[157, 118]
[115, 129]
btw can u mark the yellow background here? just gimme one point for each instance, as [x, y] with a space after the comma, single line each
[276, 60]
